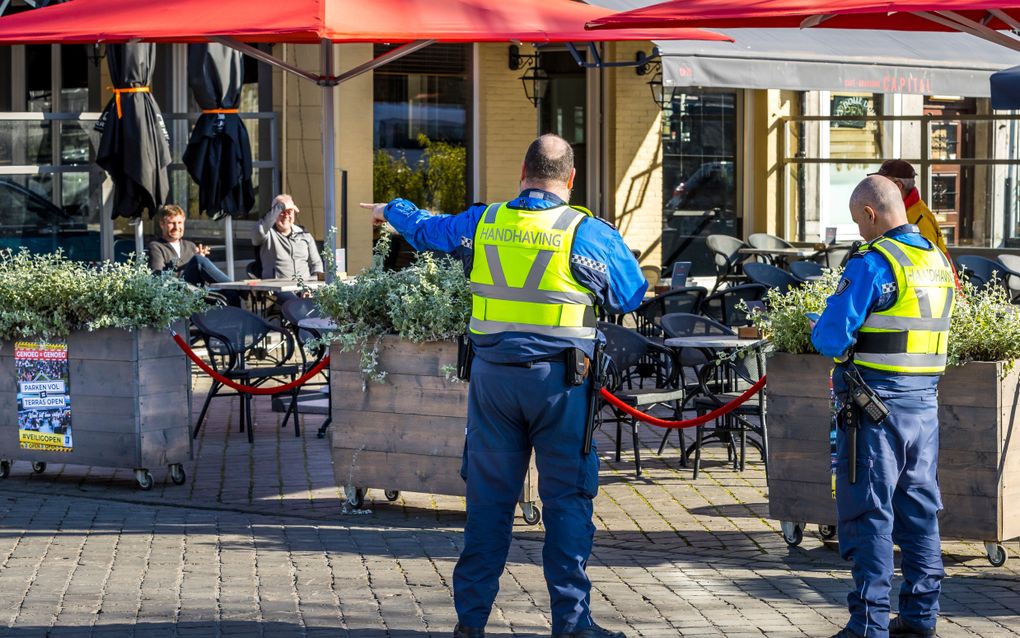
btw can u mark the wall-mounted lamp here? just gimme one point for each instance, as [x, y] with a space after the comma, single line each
[535, 79]
[652, 65]
[96, 53]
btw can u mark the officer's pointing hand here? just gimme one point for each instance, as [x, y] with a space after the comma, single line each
[378, 214]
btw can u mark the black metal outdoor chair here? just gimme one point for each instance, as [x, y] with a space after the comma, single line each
[691, 359]
[834, 257]
[806, 270]
[727, 258]
[1012, 263]
[982, 271]
[230, 335]
[771, 276]
[768, 241]
[648, 314]
[293, 312]
[723, 305]
[653, 274]
[642, 373]
[739, 373]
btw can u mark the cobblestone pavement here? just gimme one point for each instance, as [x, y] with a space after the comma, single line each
[254, 544]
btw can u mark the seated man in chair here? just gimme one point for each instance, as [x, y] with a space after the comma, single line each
[187, 260]
[286, 250]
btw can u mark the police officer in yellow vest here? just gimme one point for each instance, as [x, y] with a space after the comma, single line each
[538, 268]
[889, 316]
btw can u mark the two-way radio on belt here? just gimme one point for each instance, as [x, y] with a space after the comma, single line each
[864, 399]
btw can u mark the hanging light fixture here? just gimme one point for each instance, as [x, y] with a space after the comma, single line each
[535, 79]
[652, 65]
[96, 53]
[658, 90]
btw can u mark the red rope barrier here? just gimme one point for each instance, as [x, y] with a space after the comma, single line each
[687, 423]
[248, 388]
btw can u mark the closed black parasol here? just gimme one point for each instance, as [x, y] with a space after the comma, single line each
[218, 156]
[134, 148]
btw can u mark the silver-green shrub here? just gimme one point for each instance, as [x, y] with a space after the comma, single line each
[428, 301]
[985, 326]
[50, 296]
[784, 324]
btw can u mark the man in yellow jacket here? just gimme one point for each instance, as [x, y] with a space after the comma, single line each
[902, 174]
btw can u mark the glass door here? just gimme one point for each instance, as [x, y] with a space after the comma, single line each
[699, 175]
[563, 111]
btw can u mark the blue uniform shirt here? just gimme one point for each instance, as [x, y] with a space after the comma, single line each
[868, 285]
[599, 260]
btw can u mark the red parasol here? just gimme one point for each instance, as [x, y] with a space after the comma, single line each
[417, 23]
[983, 18]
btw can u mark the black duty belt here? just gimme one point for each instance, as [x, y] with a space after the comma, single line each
[881, 342]
[559, 357]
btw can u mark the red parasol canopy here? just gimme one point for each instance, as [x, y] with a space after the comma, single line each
[982, 18]
[312, 21]
[235, 23]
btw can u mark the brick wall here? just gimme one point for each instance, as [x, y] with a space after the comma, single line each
[508, 122]
[302, 139]
[635, 155]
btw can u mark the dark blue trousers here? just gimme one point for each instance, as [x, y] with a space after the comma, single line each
[201, 271]
[510, 411]
[895, 500]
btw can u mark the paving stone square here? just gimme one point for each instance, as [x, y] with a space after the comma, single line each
[255, 544]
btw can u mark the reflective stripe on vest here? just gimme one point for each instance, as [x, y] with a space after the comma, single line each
[521, 279]
[912, 336]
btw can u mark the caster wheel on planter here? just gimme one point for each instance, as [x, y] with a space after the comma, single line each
[355, 497]
[177, 474]
[793, 533]
[392, 495]
[144, 479]
[5, 468]
[996, 554]
[827, 532]
[38, 467]
[532, 515]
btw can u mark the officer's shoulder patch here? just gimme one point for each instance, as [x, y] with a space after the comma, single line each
[844, 283]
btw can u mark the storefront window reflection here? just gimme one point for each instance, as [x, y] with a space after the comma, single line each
[699, 174]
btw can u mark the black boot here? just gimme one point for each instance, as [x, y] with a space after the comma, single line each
[591, 632]
[900, 628]
[460, 631]
[846, 632]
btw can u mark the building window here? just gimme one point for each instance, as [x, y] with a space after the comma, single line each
[699, 173]
[420, 129]
[40, 209]
[425, 93]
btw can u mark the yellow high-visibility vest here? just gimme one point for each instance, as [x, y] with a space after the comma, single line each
[912, 336]
[521, 279]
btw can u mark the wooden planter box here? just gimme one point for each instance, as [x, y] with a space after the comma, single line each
[979, 457]
[130, 404]
[406, 433]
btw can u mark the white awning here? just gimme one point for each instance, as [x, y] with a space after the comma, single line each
[833, 60]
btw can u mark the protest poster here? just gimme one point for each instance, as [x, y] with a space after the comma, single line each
[44, 403]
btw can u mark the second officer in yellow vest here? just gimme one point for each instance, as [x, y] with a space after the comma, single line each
[890, 317]
[538, 267]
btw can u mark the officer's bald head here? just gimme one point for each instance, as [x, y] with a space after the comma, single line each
[877, 206]
[549, 161]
